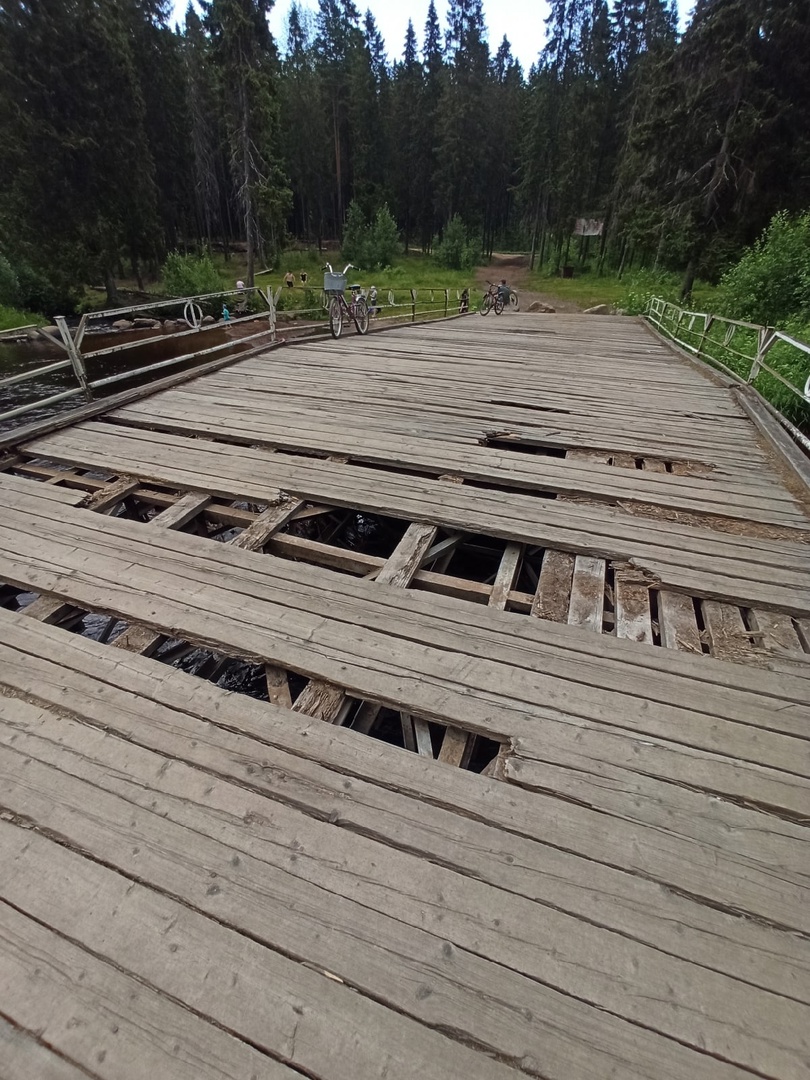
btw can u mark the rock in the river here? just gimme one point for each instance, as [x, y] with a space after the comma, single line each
[122, 324]
[536, 305]
[143, 323]
[600, 309]
[208, 320]
[51, 330]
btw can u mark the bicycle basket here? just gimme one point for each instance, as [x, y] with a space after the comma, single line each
[334, 283]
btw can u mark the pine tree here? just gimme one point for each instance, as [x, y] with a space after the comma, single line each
[244, 54]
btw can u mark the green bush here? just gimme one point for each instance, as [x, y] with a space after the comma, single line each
[771, 282]
[190, 275]
[455, 251]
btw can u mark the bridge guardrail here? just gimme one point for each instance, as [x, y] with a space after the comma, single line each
[739, 349]
[402, 304]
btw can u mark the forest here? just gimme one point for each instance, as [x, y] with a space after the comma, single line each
[124, 137]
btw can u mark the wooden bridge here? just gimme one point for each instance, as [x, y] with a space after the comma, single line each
[432, 705]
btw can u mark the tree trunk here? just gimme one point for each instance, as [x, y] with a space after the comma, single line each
[688, 279]
[113, 299]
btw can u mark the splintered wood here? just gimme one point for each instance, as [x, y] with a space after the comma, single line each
[561, 582]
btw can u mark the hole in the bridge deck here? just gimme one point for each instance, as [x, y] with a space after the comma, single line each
[474, 558]
[425, 737]
[529, 408]
[655, 621]
[521, 446]
[701, 625]
[802, 628]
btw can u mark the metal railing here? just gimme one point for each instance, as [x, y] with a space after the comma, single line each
[737, 348]
[280, 310]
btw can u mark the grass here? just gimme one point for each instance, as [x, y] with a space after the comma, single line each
[629, 293]
[10, 318]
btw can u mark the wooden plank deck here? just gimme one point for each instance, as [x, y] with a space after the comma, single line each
[433, 705]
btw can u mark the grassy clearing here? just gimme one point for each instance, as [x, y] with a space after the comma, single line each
[10, 318]
[630, 293]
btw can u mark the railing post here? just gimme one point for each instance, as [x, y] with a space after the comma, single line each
[413, 305]
[446, 301]
[76, 359]
[707, 325]
[765, 338]
[272, 303]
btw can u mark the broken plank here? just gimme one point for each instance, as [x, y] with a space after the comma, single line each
[186, 508]
[587, 593]
[632, 606]
[553, 594]
[678, 622]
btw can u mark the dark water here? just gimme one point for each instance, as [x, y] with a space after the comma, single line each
[29, 355]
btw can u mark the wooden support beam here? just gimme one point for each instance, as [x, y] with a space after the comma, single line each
[141, 640]
[506, 576]
[180, 513]
[275, 517]
[109, 496]
[328, 702]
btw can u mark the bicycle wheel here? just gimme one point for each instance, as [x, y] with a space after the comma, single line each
[486, 304]
[513, 300]
[498, 305]
[335, 317]
[361, 315]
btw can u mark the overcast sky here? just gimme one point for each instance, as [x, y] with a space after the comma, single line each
[521, 20]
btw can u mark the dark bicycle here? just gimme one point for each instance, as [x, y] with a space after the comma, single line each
[334, 285]
[491, 299]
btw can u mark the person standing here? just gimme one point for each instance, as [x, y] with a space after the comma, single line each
[289, 279]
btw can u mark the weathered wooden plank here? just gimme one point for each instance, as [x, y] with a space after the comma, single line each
[678, 622]
[553, 594]
[108, 497]
[329, 702]
[769, 572]
[370, 952]
[275, 517]
[108, 1022]
[587, 594]
[11, 485]
[632, 604]
[506, 577]
[260, 596]
[180, 513]
[456, 748]
[778, 634]
[23, 1057]
[443, 809]
[729, 637]
[587, 961]
[287, 1009]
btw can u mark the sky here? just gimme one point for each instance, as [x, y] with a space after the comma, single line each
[523, 22]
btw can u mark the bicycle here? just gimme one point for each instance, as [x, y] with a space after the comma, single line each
[491, 299]
[334, 285]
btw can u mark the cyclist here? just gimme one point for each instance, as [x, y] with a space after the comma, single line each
[504, 292]
[464, 302]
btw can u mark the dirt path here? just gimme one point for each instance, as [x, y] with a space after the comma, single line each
[515, 268]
